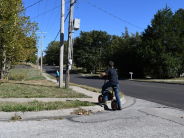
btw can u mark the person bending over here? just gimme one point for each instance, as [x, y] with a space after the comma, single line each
[113, 81]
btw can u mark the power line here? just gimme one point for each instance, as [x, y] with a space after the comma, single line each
[64, 21]
[54, 21]
[47, 11]
[44, 14]
[113, 15]
[51, 14]
[38, 11]
[33, 4]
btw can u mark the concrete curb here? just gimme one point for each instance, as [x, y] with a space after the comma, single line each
[6, 116]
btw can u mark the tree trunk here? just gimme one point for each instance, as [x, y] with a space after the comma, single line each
[95, 69]
[7, 68]
[3, 61]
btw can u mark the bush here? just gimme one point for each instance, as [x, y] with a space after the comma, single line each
[17, 76]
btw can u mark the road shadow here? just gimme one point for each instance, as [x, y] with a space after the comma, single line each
[106, 108]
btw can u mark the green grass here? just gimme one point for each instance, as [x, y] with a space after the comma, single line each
[51, 77]
[87, 87]
[171, 80]
[36, 78]
[36, 89]
[92, 88]
[34, 86]
[180, 78]
[25, 74]
[40, 106]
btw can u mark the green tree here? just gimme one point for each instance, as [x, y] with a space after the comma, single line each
[162, 45]
[16, 31]
[52, 53]
[126, 56]
[87, 49]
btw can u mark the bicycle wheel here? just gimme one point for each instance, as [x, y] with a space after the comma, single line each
[114, 105]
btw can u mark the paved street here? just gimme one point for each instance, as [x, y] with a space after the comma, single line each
[166, 94]
[131, 122]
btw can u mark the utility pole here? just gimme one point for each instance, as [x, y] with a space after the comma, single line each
[41, 51]
[61, 44]
[67, 78]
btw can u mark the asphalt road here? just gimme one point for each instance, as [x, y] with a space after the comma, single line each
[167, 94]
[131, 122]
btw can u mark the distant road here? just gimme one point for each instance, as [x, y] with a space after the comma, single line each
[166, 94]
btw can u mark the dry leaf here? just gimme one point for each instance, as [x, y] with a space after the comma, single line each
[79, 113]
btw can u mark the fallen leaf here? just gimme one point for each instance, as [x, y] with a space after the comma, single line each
[79, 113]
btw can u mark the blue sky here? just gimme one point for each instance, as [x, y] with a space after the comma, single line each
[136, 12]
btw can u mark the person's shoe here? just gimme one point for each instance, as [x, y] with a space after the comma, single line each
[119, 108]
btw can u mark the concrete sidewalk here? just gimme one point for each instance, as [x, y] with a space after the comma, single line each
[5, 116]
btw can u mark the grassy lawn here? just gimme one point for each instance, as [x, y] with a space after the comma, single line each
[36, 89]
[25, 74]
[172, 80]
[51, 77]
[32, 85]
[86, 87]
[92, 88]
[40, 106]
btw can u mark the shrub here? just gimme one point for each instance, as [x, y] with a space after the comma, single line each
[17, 76]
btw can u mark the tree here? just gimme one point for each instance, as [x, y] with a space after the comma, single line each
[162, 45]
[121, 50]
[87, 49]
[126, 56]
[52, 53]
[16, 30]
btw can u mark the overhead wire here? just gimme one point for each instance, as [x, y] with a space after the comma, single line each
[60, 29]
[47, 11]
[33, 4]
[54, 20]
[44, 14]
[113, 15]
[51, 15]
[38, 11]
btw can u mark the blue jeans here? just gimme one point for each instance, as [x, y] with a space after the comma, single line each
[110, 84]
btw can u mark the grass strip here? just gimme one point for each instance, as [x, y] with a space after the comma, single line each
[92, 88]
[36, 89]
[181, 81]
[86, 87]
[41, 106]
